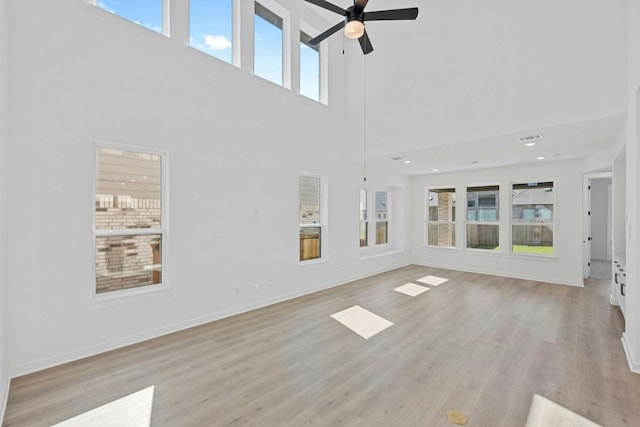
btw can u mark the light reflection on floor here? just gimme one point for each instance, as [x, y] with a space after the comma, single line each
[133, 410]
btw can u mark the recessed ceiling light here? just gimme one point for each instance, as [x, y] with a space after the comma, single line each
[540, 157]
[435, 169]
[406, 162]
[530, 144]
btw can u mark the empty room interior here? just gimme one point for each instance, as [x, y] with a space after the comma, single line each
[310, 212]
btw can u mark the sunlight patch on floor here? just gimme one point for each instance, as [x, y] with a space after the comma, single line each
[361, 321]
[432, 280]
[133, 410]
[545, 413]
[411, 289]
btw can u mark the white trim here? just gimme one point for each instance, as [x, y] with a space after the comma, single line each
[5, 400]
[613, 301]
[308, 30]
[285, 15]
[550, 280]
[92, 350]
[236, 33]
[634, 365]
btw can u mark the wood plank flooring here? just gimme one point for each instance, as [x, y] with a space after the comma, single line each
[480, 344]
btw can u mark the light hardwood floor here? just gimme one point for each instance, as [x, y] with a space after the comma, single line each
[481, 344]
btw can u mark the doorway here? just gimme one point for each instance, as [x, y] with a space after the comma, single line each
[598, 230]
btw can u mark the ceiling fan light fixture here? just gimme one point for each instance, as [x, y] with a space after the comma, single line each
[354, 29]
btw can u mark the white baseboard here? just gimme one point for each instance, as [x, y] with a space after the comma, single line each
[82, 353]
[634, 364]
[613, 301]
[5, 398]
[579, 283]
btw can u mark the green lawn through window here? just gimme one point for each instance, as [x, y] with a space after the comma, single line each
[541, 250]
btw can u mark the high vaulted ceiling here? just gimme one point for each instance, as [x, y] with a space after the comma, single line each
[467, 78]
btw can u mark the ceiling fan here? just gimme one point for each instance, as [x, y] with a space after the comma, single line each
[355, 17]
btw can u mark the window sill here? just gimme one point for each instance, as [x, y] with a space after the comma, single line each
[312, 262]
[116, 297]
[381, 254]
[537, 257]
[440, 248]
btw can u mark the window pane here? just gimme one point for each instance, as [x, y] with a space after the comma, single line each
[128, 192]
[381, 205]
[309, 243]
[147, 13]
[442, 205]
[309, 200]
[482, 236]
[309, 68]
[381, 233]
[124, 262]
[210, 27]
[267, 45]
[532, 217]
[363, 234]
[363, 219]
[483, 203]
[532, 239]
[441, 235]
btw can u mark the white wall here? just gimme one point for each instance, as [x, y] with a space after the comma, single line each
[236, 146]
[4, 122]
[564, 268]
[600, 219]
[631, 338]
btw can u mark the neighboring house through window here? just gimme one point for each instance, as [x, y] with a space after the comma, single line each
[129, 224]
[483, 211]
[441, 217]
[532, 217]
[312, 216]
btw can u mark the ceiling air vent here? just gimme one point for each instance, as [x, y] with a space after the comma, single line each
[529, 138]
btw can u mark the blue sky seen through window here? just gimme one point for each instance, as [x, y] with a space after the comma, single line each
[211, 29]
[211, 24]
[309, 68]
[147, 13]
[267, 59]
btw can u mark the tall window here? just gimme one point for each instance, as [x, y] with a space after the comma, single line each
[147, 13]
[382, 218]
[129, 226]
[309, 68]
[268, 43]
[483, 210]
[441, 217]
[310, 215]
[211, 27]
[532, 207]
[364, 229]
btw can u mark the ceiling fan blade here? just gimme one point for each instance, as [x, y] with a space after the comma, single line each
[326, 5]
[392, 15]
[360, 4]
[365, 43]
[317, 39]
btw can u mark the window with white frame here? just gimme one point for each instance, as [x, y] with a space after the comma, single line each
[311, 217]
[532, 217]
[147, 13]
[441, 217]
[211, 27]
[310, 72]
[268, 44]
[364, 220]
[483, 215]
[382, 217]
[129, 227]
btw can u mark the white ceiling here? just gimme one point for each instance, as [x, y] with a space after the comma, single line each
[467, 78]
